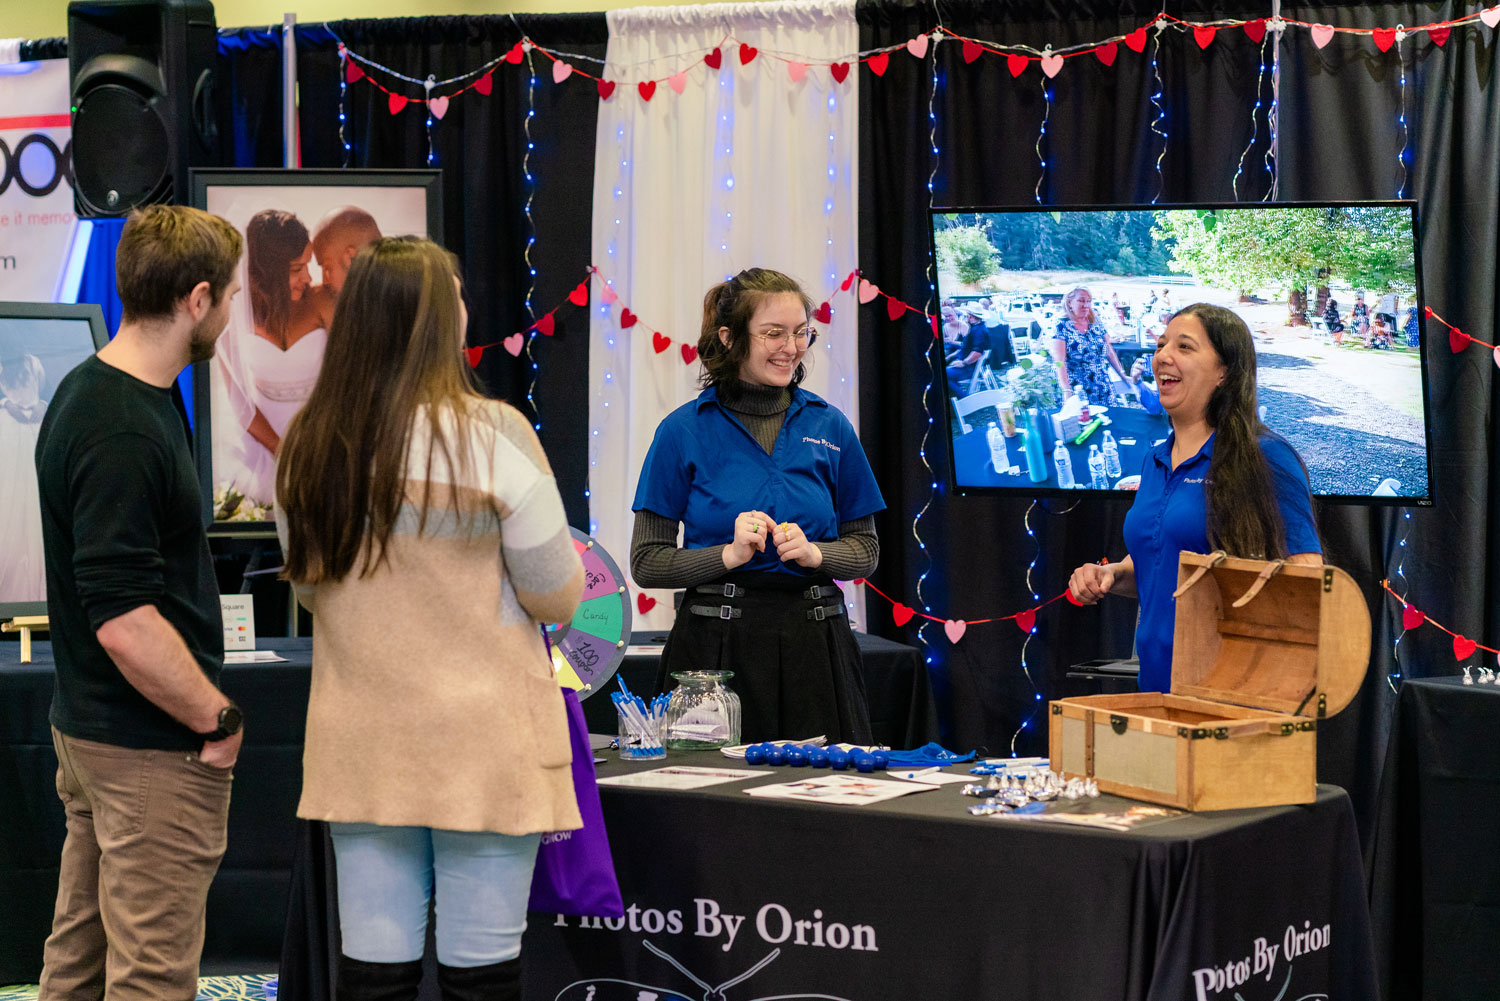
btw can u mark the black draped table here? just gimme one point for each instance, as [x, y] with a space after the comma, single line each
[914, 898]
[1436, 896]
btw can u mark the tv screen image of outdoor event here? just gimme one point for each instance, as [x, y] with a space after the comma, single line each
[1330, 293]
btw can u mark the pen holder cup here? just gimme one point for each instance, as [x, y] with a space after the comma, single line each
[640, 742]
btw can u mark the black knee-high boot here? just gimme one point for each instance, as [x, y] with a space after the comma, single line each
[495, 982]
[361, 981]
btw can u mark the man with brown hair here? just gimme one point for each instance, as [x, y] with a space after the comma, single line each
[338, 236]
[145, 740]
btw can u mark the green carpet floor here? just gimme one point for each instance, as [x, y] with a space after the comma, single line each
[249, 988]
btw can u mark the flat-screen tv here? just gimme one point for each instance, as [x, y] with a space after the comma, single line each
[39, 344]
[1331, 293]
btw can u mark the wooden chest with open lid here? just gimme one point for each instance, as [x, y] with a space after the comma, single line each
[1261, 651]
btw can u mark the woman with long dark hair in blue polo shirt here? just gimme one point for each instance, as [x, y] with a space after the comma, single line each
[776, 500]
[1221, 481]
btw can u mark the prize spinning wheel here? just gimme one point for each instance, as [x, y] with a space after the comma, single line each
[588, 649]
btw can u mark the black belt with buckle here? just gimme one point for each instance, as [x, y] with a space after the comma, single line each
[739, 591]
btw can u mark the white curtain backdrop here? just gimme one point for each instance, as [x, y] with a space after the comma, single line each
[745, 168]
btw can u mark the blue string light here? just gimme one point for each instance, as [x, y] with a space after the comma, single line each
[1046, 116]
[927, 356]
[1036, 554]
[530, 231]
[1401, 119]
[427, 86]
[1260, 77]
[343, 94]
[1273, 116]
[1161, 114]
[1404, 527]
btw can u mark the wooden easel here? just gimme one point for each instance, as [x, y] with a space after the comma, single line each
[24, 624]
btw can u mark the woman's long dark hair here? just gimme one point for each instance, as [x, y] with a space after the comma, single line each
[1243, 517]
[731, 304]
[273, 239]
[394, 353]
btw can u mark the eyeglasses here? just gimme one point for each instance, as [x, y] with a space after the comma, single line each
[777, 337]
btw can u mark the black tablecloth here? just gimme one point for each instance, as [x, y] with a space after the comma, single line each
[1135, 432]
[916, 899]
[1436, 887]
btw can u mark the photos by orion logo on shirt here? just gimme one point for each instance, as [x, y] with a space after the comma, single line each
[1210, 981]
[821, 441]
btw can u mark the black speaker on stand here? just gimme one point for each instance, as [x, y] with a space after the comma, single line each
[142, 80]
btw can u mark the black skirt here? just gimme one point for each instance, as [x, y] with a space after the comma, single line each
[795, 663]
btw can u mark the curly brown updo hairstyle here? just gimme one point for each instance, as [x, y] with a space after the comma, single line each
[731, 304]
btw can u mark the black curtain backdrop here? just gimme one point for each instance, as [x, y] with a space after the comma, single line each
[1339, 137]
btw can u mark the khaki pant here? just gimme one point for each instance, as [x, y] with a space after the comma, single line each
[146, 831]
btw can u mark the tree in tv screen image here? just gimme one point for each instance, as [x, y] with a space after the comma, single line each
[1050, 318]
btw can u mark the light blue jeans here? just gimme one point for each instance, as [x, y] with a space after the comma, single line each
[387, 875]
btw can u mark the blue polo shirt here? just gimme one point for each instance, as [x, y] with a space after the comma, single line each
[704, 468]
[1170, 514]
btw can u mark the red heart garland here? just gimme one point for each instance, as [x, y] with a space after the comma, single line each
[627, 318]
[1256, 29]
[580, 295]
[894, 308]
[352, 72]
[1384, 38]
[823, 314]
[1463, 647]
[972, 50]
[689, 354]
[932, 322]
[647, 89]
[545, 325]
[1458, 340]
[644, 602]
[485, 84]
[1426, 310]
[747, 53]
[839, 71]
[902, 613]
[473, 354]
[848, 280]
[660, 342]
[1016, 64]
[1106, 53]
[1411, 617]
[878, 63]
[515, 55]
[1204, 34]
[1439, 35]
[1136, 40]
[1026, 621]
[1072, 600]
[395, 102]
[714, 59]
[606, 88]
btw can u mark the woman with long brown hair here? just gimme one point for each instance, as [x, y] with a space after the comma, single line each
[422, 527]
[1221, 481]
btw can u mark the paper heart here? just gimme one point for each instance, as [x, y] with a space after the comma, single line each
[1072, 600]
[516, 54]
[747, 53]
[1491, 16]
[608, 295]
[660, 342]
[485, 84]
[714, 59]
[689, 354]
[514, 343]
[867, 291]
[932, 322]
[972, 50]
[1026, 621]
[955, 628]
[902, 613]
[1204, 34]
[352, 72]
[545, 325]
[1016, 64]
[878, 63]
[1052, 65]
[474, 354]
[1106, 53]
[1496, 354]
[1458, 340]
[1322, 34]
[438, 107]
[848, 280]
[561, 71]
[606, 88]
[646, 89]
[894, 308]
[1136, 40]
[677, 81]
[1384, 38]
[627, 318]
[839, 71]
[644, 602]
[1439, 34]
[917, 46]
[580, 295]
[1411, 617]
[1256, 29]
[824, 313]
[1463, 647]
[796, 71]
[395, 102]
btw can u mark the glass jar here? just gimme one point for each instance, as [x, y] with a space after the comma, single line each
[703, 712]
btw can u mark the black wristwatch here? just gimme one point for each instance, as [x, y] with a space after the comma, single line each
[230, 721]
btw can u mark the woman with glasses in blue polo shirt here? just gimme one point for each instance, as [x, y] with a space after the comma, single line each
[776, 501]
[1221, 481]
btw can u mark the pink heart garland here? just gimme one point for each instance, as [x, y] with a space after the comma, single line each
[1384, 38]
[1136, 40]
[1204, 35]
[1411, 617]
[918, 46]
[1026, 621]
[1439, 35]
[606, 88]
[580, 295]
[747, 53]
[878, 63]
[677, 81]
[608, 295]
[714, 59]
[1256, 29]
[646, 89]
[516, 54]
[545, 325]
[839, 71]
[395, 102]
[796, 71]
[660, 342]
[644, 603]
[627, 318]
[1052, 65]
[824, 313]
[867, 291]
[689, 354]
[1496, 354]
[474, 354]
[438, 106]
[955, 628]
[514, 343]
[894, 308]
[1107, 53]
[1458, 340]
[485, 84]
[1463, 647]
[352, 72]
[561, 71]
[1490, 17]
[1322, 34]
[1016, 64]
[902, 613]
[972, 50]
